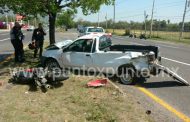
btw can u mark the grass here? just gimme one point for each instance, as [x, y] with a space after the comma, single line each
[158, 35]
[119, 32]
[69, 101]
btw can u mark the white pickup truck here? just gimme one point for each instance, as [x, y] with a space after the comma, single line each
[95, 53]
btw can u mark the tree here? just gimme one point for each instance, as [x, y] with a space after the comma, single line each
[168, 21]
[163, 24]
[52, 7]
[65, 19]
[3, 7]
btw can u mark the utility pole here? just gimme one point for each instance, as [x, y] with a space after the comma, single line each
[183, 21]
[114, 17]
[145, 18]
[106, 21]
[28, 22]
[7, 21]
[35, 21]
[98, 18]
[152, 18]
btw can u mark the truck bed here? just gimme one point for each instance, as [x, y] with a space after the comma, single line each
[135, 48]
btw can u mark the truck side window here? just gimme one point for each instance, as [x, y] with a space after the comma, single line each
[87, 46]
[104, 42]
[83, 45]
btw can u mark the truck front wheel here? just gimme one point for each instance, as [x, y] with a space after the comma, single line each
[56, 72]
[127, 75]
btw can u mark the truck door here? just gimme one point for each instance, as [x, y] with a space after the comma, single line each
[78, 54]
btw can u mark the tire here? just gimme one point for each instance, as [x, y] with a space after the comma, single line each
[51, 65]
[139, 80]
[127, 75]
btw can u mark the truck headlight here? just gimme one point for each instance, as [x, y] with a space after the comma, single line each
[151, 56]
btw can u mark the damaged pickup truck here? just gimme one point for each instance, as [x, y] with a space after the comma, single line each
[95, 53]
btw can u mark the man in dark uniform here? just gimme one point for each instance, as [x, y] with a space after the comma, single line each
[38, 39]
[16, 40]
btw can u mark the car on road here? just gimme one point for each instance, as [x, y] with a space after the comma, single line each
[95, 53]
[91, 30]
[30, 28]
[80, 27]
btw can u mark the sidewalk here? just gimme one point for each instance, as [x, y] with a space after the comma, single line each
[4, 30]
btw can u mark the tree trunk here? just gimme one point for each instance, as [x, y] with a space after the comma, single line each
[52, 19]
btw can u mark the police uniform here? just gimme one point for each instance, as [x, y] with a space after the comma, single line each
[38, 36]
[16, 40]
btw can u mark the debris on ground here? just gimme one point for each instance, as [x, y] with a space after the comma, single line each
[97, 83]
[148, 112]
[1, 83]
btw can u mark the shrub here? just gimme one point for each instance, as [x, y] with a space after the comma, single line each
[127, 32]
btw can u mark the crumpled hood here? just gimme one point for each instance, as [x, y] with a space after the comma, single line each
[63, 43]
[136, 54]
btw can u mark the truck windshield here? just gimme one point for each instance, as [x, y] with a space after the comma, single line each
[95, 30]
[104, 42]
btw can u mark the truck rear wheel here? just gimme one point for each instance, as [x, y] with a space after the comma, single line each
[126, 79]
[127, 75]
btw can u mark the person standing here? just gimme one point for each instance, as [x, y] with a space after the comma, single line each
[16, 39]
[38, 39]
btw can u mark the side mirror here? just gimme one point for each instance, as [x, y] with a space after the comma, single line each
[64, 49]
[81, 31]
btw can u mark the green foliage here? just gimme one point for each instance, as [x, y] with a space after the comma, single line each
[162, 25]
[127, 32]
[65, 19]
[52, 7]
[44, 7]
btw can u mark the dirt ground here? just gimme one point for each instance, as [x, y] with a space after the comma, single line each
[70, 100]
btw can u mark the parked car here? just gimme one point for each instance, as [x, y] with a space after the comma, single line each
[143, 36]
[80, 27]
[91, 30]
[30, 28]
[95, 53]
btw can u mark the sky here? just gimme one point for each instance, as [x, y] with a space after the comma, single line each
[133, 10]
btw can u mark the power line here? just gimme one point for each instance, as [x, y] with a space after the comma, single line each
[168, 16]
[170, 6]
[170, 3]
[129, 16]
[137, 15]
[161, 6]
[120, 2]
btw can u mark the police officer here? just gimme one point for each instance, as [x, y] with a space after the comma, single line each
[16, 40]
[38, 39]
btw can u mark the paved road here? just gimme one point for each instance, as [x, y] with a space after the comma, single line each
[6, 48]
[177, 57]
